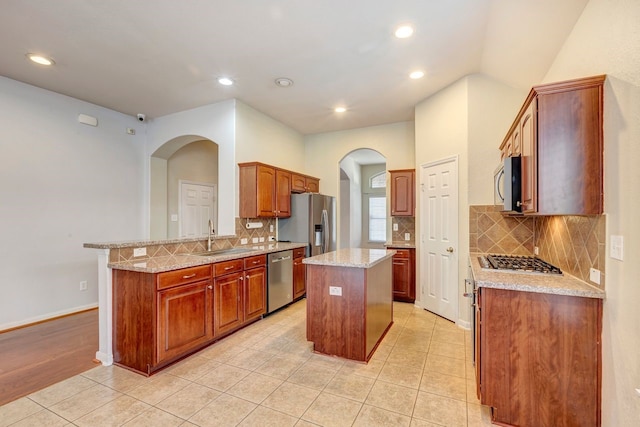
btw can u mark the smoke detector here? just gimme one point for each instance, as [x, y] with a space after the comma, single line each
[284, 82]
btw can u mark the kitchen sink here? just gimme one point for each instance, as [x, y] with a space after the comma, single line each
[228, 251]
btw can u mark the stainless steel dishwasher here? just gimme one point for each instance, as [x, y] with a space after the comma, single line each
[279, 280]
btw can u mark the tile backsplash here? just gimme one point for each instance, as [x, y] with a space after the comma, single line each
[224, 242]
[492, 232]
[406, 224]
[573, 243]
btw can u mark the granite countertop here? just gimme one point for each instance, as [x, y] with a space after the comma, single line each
[401, 245]
[176, 262]
[352, 257]
[564, 284]
[139, 243]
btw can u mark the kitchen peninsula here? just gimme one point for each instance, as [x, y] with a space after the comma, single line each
[349, 301]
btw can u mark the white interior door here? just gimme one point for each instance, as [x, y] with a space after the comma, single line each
[197, 207]
[439, 237]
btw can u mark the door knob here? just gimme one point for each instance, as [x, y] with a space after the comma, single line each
[450, 249]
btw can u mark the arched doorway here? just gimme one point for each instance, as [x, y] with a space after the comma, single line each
[186, 163]
[362, 204]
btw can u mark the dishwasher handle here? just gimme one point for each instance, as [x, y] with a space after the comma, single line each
[284, 258]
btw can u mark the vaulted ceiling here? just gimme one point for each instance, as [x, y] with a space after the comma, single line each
[162, 56]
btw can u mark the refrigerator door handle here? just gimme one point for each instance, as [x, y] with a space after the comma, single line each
[325, 229]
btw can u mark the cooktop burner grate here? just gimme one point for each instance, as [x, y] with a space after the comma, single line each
[519, 263]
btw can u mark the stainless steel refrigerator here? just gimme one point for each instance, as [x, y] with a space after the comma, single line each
[312, 221]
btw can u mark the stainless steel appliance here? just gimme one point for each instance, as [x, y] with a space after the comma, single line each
[527, 264]
[312, 221]
[279, 280]
[507, 185]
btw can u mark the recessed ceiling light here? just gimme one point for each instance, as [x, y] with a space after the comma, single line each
[340, 109]
[226, 81]
[404, 31]
[284, 82]
[416, 74]
[39, 59]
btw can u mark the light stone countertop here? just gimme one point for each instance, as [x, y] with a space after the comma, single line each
[176, 262]
[564, 284]
[400, 245]
[141, 242]
[351, 257]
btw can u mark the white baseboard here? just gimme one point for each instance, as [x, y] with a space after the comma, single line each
[464, 324]
[47, 316]
[105, 359]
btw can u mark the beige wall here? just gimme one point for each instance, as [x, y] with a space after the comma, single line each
[606, 40]
[468, 119]
[324, 151]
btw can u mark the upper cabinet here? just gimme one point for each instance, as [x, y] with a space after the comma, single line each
[265, 191]
[304, 184]
[402, 192]
[558, 134]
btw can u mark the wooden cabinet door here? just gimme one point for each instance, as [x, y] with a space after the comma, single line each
[283, 194]
[404, 287]
[299, 280]
[228, 313]
[528, 147]
[312, 185]
[255, 293]
[266, 186]
[184, 319]
[298, 183]
[402, 192]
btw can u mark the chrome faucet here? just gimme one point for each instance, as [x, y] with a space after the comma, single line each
[212, 232]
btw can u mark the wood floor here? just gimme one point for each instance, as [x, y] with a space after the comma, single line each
[37, 356]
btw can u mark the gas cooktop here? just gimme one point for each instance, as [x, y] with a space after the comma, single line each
[525, 264]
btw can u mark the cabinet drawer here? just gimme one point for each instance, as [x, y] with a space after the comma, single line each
[298, 253]
[402, 253]
[255, 261]
[182, 276]
[227, 267]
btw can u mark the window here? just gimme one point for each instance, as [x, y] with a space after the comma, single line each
[379, 180]
[377, 218]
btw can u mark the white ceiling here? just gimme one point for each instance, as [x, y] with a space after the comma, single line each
[162, 56]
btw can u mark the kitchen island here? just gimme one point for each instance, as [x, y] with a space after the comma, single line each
[349, 301]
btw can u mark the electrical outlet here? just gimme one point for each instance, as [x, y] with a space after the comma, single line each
[83, 285]
[536, 250]
[244, 241]
[335, 290]
[395, 226]
[407, 236]
[270, 228]
[139, 252]
[594, 275]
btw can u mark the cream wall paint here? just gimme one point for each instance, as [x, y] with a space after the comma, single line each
[216, 122]
[469, 119]
[324, 151]
[158, 198]
[606, 40]
[441, 132]
[492, 108]
[353, 212]
[63, 184]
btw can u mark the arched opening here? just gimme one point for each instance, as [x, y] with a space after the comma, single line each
[362, 200]
[183, 188]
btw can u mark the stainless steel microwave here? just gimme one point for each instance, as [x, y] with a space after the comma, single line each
[507, 185]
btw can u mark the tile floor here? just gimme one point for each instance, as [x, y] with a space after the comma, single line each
[267, 375]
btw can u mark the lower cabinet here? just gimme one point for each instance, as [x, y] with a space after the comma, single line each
[540, 358]
[299, 278]
[159, 318]
[240, 293]
[404, 282]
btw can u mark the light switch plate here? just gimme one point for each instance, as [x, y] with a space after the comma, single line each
[617, 247]
[407, 236]
[594, 275]
[395, 226]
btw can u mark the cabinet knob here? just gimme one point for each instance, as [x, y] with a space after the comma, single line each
[518, 203]
[248, 277]
[242, 278]
[210, 287]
